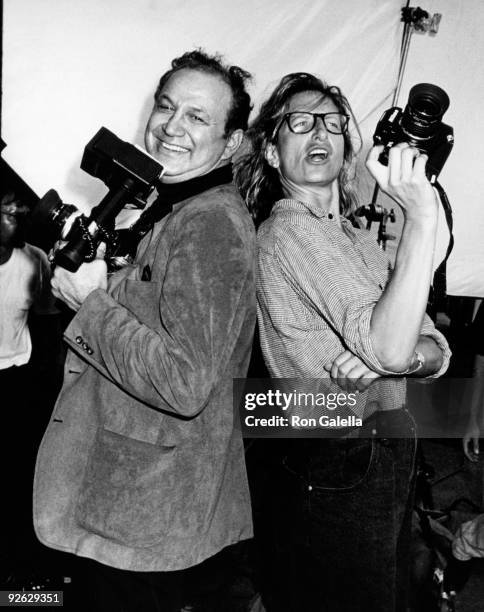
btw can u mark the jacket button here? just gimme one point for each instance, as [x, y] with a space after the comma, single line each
[79, 339]
[89, 350]
[85, 346]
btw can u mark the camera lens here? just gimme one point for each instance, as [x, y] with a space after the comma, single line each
[429, 100]
[423, 114]
[49, 219]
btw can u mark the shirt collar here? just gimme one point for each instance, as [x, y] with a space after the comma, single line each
[297, 205]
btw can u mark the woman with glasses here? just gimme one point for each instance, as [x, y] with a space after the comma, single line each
[330, 307]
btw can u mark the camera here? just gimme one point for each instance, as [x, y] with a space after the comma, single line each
[419, 124]
[130, 175]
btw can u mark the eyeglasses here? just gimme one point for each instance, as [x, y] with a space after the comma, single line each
[303, 122]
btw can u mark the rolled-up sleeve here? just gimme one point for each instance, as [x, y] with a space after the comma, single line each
[428, 329]
[326, 280]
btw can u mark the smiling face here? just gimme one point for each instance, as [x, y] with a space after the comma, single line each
[186, 129]
[311, 160]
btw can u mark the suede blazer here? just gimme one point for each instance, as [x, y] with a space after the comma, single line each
[141, 467]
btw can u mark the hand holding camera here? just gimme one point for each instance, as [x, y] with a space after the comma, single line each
[411, 148]
[404, 179]
[74, 287]
[419, 128]
[420, 125]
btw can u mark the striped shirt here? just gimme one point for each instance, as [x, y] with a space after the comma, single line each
[317, 286]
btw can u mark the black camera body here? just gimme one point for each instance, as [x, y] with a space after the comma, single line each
[116, 162]
[130, 175]
[420, 124]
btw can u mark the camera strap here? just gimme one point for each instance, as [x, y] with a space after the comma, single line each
[438, 291]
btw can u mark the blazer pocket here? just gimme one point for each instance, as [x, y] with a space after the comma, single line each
[138, 493]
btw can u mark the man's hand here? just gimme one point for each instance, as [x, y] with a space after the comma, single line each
[475, 425]
[350, 372]
[470, 441]
[74, 287]
[405, 181]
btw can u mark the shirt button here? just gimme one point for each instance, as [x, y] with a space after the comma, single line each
[85, 346]
[310, 488]
[330, 216]
[89, 351]
[79, 339]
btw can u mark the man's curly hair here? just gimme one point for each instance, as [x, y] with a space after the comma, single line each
[235, 77]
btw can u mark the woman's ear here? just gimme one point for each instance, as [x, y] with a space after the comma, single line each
[272, 155]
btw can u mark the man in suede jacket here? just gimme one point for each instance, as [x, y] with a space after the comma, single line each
[141, 468]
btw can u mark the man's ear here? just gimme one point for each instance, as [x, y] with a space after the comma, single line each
[272, 155]
[233, 143]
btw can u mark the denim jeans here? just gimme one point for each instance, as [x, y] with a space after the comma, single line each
[338, 520]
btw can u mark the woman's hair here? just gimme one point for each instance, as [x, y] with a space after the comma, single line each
[257, 181]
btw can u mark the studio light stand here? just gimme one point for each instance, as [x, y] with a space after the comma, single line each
[418, 20]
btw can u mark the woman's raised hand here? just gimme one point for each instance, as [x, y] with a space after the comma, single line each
[405, 181]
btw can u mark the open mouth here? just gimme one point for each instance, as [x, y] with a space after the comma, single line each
[318, 154]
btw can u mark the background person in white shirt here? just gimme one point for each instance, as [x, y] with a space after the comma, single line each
[26, 382]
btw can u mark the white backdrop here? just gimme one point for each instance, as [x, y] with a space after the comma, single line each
[71, 66]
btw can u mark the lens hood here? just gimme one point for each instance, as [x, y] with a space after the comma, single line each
[428, 101]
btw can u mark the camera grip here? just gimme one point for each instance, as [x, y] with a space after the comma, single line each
[73, 254]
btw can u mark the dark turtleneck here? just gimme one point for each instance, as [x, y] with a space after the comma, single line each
[168, 195]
